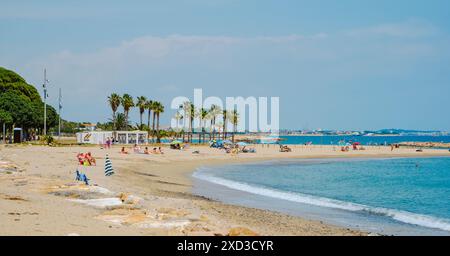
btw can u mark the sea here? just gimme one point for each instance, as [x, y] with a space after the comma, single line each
[391, 196]
[364, 140]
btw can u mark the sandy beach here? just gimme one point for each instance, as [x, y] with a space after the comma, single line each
[148, 195]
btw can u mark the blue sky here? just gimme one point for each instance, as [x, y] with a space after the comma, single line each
[343, 64]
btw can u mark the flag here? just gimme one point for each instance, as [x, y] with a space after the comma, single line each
[108, 167]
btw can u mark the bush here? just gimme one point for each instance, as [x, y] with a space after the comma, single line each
[48, 139]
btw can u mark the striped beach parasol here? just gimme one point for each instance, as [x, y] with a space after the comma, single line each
[108, 167]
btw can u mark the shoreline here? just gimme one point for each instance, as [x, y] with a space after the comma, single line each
[164, 184]
[344, 214]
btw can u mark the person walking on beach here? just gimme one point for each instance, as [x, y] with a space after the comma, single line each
[108, 143]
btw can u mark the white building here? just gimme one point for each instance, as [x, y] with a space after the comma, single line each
[122, 137]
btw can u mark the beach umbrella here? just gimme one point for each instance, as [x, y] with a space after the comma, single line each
[242, 144]
[175, 142]
[108, 167]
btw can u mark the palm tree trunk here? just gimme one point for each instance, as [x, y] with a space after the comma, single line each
[210, 130]
[157, 122]
[190, 129]
[149, 117]
[126, 119]
[141, 120]
[153, 126]
[114, 121]
[158, 139]
[214, 129]
[234, 132]
[224, 129]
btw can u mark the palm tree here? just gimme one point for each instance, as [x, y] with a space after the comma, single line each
[114, 102]
[148, 106]
[224, 119]
[203, 117]
[159, 108]
[153, 107]
[178, 117]
[214, 112]
[141, 104]
[189, 112]
[234, 119]
[121, 121]
[127, 104]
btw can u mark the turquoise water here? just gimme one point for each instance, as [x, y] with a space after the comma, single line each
[413, 191]
[365, 140]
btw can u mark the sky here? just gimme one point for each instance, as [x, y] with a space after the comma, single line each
[335, 64]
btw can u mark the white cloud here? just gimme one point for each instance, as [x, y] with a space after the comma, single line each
[408, 29]
[160, 66]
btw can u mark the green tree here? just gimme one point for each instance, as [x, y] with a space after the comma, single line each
[234, 119]
[121, 121]
[127, 104]
[5, 117]
[19, 107]
[148, 106]
[141, 104]
[225, 120]
[23, 103]
[214, 111]
[10, 81]
[159, 108]
[114, 102]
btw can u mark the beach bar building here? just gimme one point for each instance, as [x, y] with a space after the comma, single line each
[121, 137]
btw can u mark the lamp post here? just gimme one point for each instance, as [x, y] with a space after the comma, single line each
[59, 114]
[45, 101]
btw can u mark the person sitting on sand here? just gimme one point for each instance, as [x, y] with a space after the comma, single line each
[285, 148]
[146, 151]
[185, 146]
[160, 150]
[90, 159]
[80, 158]
[123, 151]
[154, 151]
[136, 148]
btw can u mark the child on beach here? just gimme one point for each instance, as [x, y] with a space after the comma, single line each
[123, 151]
